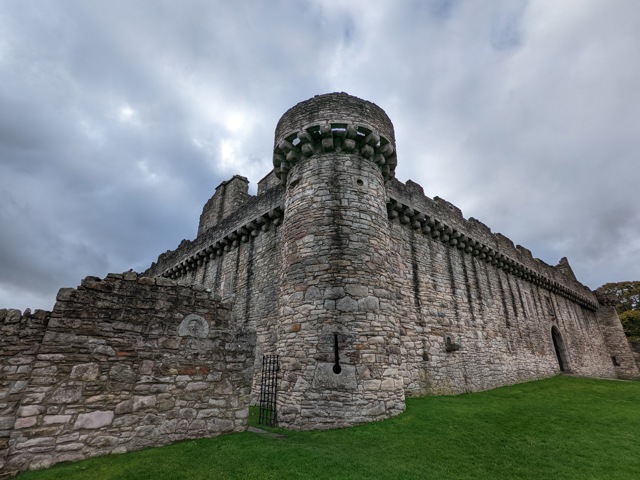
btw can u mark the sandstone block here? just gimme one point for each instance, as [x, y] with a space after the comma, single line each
[313, 293]
[347, 304]
[369, 304]
[93, 420]
[141, 402]
[7, 422]
[18, 386]
[66, 395]
[122, 373]
[29, 410]
[126, 421]
[69, 447]
[36, 442]
[333, 293]
[52, 419]
[357, 290]
[195, 386]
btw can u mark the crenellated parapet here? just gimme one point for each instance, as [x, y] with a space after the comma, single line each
[448, 227]
[336, 137]
[231, 240]
[257, 215]
[334, 123]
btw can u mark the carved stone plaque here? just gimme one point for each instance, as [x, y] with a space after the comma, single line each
[194, 326]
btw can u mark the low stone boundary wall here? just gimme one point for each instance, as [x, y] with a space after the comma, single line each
[20, 337]
[124, 363]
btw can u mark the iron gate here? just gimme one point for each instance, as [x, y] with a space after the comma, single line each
[268, 390]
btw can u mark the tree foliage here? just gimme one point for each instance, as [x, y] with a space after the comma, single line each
[631, 322]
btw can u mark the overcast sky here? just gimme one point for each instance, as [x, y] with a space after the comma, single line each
[119, 118]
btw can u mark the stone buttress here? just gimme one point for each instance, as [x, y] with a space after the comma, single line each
[337, 334]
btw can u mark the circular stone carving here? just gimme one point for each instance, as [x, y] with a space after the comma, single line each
[194, 326]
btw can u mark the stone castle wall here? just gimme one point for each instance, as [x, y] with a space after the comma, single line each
[338, 336]
[498, 314]
[238, 259]
[367, 289]
[500, 320]
[471, 310]
[120, 364]
[229, 196]
[20, 338]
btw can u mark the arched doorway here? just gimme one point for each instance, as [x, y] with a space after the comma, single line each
[561, 352]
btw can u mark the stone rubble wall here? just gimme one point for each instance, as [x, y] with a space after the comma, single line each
[20, 338]
[238, 259]
[498, 318]
[624, 359]
[269, 181]
[336, 309]
[246, 276]
[499, 326]
[126, 363]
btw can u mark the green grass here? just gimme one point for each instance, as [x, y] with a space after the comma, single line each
[560, 428]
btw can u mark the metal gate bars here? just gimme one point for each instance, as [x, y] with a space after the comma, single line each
[268, 390]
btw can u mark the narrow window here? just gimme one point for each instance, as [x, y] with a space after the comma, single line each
[336, 367]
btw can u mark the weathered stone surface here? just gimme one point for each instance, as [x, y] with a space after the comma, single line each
[142, 402]
[120, 380]
[52, 419]
[326, 379]
[194, 326]
[6, 422]
[85, 371]
[24, 422]
[122, 373]
[97, 419]
[369, 304]
[367, 289]
[66, 394]
[29, 410]
[347, 304]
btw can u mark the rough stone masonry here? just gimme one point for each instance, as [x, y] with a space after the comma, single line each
[368, 291]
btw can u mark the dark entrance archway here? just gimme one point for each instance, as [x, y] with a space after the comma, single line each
[559, 347]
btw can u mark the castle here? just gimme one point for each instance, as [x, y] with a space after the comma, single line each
[362, 289]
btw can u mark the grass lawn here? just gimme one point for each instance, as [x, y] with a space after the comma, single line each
[560, 428]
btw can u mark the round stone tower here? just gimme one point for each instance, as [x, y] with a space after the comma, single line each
[338, 335]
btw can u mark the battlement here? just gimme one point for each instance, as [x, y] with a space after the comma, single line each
[335, 122]
[444, 222]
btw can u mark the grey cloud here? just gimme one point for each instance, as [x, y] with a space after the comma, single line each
[118, 120]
